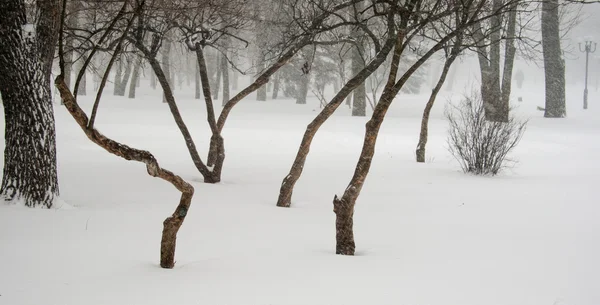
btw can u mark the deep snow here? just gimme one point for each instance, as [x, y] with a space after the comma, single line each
[426, 234]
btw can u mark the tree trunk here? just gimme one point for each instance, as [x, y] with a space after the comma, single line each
[82, 88]
[123, 82]
[359, 96]
[261, 93]
[152, 79]
[216, 154]
[30, 175]
[420, 152]
[135, 77]
[118, 76]
[197, 83]
[225, 76]
[219, 76]
[166, 65]
[288, 183]
[303, 88]
[276, 83]
[554, 68]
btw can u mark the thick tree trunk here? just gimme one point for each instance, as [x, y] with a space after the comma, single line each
[420, 152]
[554, 67]
[288, 183]
[30, 175]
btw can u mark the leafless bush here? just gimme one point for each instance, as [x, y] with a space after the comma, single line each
[481, 146]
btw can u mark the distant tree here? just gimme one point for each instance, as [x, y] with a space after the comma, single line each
[554, 65]
[28, 36]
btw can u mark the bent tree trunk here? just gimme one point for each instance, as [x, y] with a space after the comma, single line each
[288, 183]
[420, 152]
[29, 173]
[172, 224]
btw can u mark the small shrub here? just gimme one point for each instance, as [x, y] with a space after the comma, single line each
[480, 146]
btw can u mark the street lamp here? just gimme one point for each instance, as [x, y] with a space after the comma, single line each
[587, 49]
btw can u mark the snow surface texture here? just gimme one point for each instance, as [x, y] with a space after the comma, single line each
[426, 234]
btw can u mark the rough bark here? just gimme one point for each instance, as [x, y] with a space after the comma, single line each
[423, 136]
[30, 174]
[197, 86]
[288, 183]
[554, 67]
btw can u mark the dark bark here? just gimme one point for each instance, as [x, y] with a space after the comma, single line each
[30, 174]
[554, 67]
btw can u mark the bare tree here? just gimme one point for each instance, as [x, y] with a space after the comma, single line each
[173, 222]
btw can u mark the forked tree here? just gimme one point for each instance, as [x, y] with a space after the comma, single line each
[28, 34]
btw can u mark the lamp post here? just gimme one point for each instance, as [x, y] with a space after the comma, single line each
[587, 49]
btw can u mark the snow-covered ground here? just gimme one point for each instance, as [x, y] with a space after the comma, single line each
[426, 234]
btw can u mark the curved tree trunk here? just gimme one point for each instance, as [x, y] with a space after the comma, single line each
[26, 57]
[172, 224]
